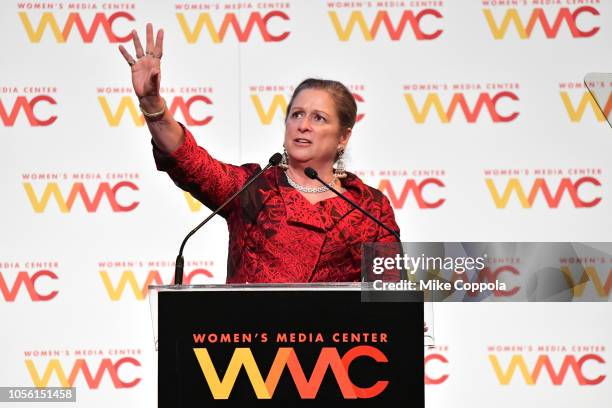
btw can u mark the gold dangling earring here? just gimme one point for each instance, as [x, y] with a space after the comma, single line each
[284, 164]
[340, 169]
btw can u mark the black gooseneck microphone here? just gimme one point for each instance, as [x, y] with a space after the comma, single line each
[178, 269]
[312, 173]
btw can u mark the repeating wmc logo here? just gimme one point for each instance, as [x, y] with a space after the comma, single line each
[79, 368]
[579, 22]
[138, 275]
[556, 365]
[464, 101]
[82, 21]
[220, 19]
[577, 100]
[193, 103]
[33, 280]
[578, 188]
[91, 190]
[372, 20]
[30, 103]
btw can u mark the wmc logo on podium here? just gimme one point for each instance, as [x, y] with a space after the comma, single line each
[253, 345]
[329, 360]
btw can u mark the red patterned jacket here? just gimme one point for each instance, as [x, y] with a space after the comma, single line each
[275, 233]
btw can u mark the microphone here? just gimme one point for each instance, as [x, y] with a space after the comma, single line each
[178, 269]
[312, 173]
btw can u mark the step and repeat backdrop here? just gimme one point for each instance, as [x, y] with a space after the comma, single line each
[473, 120]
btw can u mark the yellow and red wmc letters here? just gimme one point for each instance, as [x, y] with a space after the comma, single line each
[538, 18]
[286, 357]
[383, 19]
[255, 19]
[82, 366]
[540, 186]
[74, 20]
[78, 189]
[543, 364]
[458, 100]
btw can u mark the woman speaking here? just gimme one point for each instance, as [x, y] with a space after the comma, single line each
[285, 227]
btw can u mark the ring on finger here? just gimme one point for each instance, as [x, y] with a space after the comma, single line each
[131, 62]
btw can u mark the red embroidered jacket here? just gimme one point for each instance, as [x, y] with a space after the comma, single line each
[275, 233]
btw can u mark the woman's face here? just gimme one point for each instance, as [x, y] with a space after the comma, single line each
[313, 133]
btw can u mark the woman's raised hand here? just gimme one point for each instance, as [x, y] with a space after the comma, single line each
[146, 74]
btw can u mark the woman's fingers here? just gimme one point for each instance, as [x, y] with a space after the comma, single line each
[130, 60]
[154, 48]
[150, 44]
[159, 44]
[137, 45]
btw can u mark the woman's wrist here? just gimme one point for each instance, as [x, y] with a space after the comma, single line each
[154, 115]
[152, 103]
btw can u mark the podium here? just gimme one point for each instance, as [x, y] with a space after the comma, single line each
[287, 345]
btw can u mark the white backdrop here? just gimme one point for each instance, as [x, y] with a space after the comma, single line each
[475, 124]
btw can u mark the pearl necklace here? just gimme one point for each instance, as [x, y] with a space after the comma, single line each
[303, 189]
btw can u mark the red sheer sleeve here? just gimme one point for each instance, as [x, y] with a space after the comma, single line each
[194, 170]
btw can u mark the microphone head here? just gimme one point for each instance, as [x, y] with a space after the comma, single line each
[310, 172]
[275, 159]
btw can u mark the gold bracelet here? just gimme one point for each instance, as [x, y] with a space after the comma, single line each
[155, 114]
